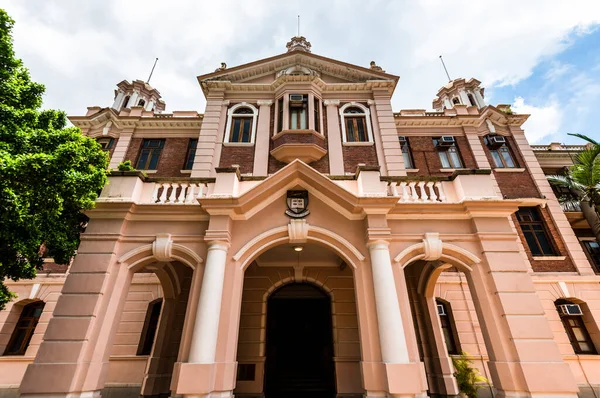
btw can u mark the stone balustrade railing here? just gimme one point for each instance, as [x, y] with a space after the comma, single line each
[178, 192]
[418, 191]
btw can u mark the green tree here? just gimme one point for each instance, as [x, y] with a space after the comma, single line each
[49, 173]
[583, 182]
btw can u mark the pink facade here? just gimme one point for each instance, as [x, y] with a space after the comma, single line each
[300, 238]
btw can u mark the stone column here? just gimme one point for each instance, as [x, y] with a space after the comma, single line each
[377, 138]
[206, 326]
[404, 379]
[392, 151]
[118, 100]
[120, 150]
[311, 111]
[133, 99]
[286, 112]
[464, 98]
[334, 139]
[220, 137]
[479, 97]
[263, 138]
[208, 138]
[391, 331]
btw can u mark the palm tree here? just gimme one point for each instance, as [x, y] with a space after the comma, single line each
[583, 182]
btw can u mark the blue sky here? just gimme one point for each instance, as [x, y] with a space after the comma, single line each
[541, 56]
[568, 81]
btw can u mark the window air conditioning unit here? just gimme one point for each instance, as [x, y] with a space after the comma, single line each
[570, 309]
[296, 100]
[446, 141]
[402, 140]
[496, 140]
[441, 309]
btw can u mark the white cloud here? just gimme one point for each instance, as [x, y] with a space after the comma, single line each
[80, 50]
[544, 121]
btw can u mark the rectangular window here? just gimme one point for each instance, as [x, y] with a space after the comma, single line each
[449, 155]
[356, 130]
[299, 114]
[150, 327]
[593, 249]
[106, 143]
[578, 335]
[191, 154]
[500, 152]
[280, 115]
[149, 155]
[241, 128]
[317, 117]
[23, 332]
[408, 164]
[536, 234]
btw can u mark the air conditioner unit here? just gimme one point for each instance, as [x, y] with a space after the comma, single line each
[496, 140]
[296, 100]
[402, 140]
[570, 309]
[446, 141]
[441, 310]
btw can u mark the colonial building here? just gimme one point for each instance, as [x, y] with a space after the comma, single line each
[300, 238]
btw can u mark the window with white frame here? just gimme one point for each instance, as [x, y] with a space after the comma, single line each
[241, 124]
[356, 123]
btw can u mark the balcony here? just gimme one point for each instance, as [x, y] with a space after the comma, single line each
[305, 145]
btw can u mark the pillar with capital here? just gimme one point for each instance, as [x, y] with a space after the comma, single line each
[263, 136]
[404, 378]
[334, 138]
[197, 376]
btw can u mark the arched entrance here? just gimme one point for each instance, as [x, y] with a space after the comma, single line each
[299, 344]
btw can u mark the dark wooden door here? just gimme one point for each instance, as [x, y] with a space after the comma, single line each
[299, 359]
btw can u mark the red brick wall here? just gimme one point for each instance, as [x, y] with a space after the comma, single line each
[425, 156]
[172, 157]
[241, 155]
[565, 265]
[513, 184]
[353, 155]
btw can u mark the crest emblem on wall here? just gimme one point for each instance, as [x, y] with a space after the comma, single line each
[297, 203]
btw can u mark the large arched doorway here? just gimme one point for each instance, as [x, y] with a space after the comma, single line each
[299, 344]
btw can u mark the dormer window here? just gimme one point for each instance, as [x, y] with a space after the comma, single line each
[298, 111]
[356, 124]
[241, 124]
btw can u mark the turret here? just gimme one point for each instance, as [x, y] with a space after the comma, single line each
[459, 92]
[137, 93]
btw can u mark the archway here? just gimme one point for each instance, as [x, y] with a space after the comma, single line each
[299, 345]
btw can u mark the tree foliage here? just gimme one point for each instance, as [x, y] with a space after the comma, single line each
[582, 181]
[48, 173]
[467, 377]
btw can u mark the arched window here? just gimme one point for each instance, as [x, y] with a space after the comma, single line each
[241, 124]
[125, 102]
[150, 327]
[571, 315]
[141, 102]
[21, 336]
[472, 99]
[456, 101]
[448, 327]
[356, 124]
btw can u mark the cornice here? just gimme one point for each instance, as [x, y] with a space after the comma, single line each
[131, 122]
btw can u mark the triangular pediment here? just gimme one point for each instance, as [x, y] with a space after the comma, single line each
[297, 63]
[296, 175]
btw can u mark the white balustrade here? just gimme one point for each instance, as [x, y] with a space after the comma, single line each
[418, 191]
[177, 193]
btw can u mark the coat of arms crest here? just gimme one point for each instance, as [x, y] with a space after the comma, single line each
[297, 203]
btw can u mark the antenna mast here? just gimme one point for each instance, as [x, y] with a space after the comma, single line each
[152, 71]
[446, 70]
[298, 35]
